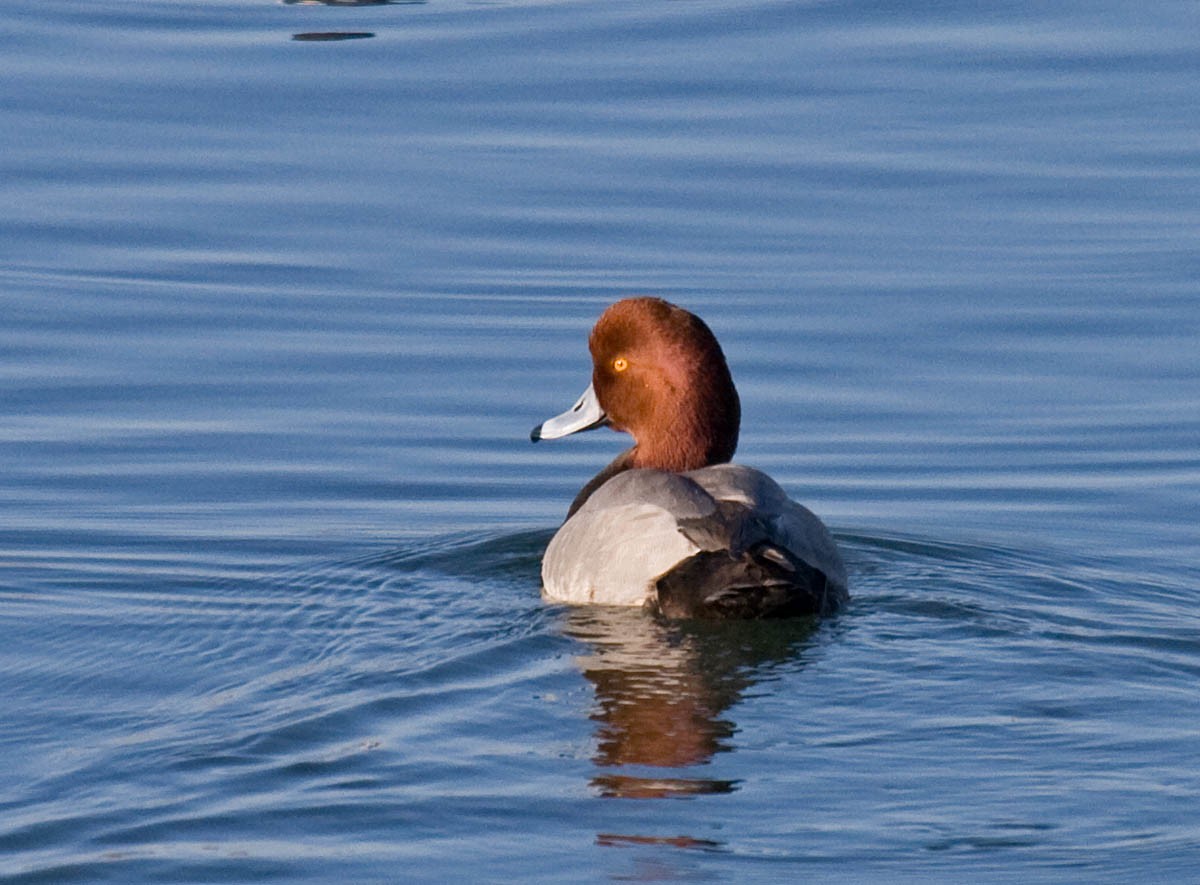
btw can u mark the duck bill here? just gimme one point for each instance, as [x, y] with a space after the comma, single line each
[586, 414]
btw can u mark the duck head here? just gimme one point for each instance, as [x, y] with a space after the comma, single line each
[659, 375]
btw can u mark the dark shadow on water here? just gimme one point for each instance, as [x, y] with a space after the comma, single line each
[331, 36]
[615, 839]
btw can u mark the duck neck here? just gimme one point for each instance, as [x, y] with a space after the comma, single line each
[696, 432]
[681, 442]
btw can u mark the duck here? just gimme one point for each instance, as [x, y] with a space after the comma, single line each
[672, 524]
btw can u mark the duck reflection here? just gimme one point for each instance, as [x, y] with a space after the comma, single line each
[663, 688]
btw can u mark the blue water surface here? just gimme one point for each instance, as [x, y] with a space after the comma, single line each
[279, 309]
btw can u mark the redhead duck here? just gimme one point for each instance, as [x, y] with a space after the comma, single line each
[671, 524]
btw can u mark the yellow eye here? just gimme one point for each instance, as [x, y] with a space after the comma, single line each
[620, 364]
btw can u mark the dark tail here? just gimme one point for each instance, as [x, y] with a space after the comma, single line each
[764, 582]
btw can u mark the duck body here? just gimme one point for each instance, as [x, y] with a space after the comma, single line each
[672, 524]
[722, 541]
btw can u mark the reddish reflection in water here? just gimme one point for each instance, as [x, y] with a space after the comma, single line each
[662, 690]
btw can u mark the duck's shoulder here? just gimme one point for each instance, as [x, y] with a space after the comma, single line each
[692, 494]
[739, 484]
[676, 493]
[697, 494]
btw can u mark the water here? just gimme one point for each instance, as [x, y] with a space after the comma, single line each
[278, 314]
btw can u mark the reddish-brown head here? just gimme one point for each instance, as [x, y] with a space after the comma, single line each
[660, 376]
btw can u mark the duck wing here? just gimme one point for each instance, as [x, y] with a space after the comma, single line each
[760, 554]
